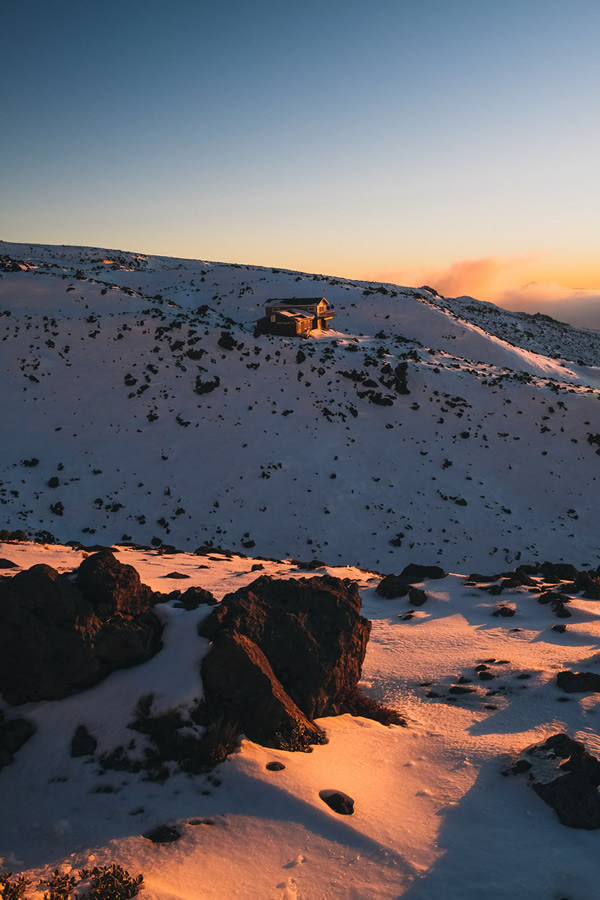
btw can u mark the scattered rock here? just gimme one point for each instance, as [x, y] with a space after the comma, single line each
[195, 597]
[415, 572]
[8, 564]
[176, 575]
[578, 682]
[417, 597]
[504, 611]
[338, 802]
[275, 766]
[393, 586]
[162, 834]
[83, 743]
[13, 734]
[566, 777]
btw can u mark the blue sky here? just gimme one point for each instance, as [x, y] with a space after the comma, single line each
[389, 139]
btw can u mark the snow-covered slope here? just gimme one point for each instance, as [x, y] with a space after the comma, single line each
[434, 817]
[138, 405]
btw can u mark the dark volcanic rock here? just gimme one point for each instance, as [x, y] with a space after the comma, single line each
[285, 652]
[195, 597]
[58, 635]
[393, 586]
[578, 682]
[589, 584]
[112, 587]
[416, 596]
[338, 802]
[573, 791]
[504, 611]
[239, 683]
[319, 618]
[415, 572]
[13, 734]
[8, 564]
[162, 834]
[83, 743]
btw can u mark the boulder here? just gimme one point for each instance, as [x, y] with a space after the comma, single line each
[13, 734]
[60, 635]
[566, 777]
[285, 652]
[393, 586]
[417, 597]
[83, 743]
[195, 597]
[578, 682]
[309, 629]
[415, 572]
[339, 802]
[239, 683]
[112, 587]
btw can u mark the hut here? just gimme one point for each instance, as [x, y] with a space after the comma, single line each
[295, 315]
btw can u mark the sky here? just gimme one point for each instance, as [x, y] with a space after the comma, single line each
[447, 142]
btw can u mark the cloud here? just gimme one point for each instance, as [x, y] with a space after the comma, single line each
[577, 307]
[476, 277]
[500, 280]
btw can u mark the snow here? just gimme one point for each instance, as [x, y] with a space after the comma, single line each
[113, 413]
[434, 816]
[488, 461]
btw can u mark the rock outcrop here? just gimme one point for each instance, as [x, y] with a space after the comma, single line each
[566, 777]
[62, 633]
[578, 682]
[285, 652]
[13, 734]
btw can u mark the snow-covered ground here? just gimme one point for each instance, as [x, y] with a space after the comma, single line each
[287, 450]
[434, 818]
[138, 406]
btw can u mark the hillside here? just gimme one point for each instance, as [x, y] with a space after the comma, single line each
[141, 407]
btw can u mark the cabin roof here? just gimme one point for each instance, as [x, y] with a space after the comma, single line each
[296, 302]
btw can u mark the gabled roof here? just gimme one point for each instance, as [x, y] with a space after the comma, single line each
[294, 313]
[296, 302]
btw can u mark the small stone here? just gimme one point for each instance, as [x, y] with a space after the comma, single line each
[486, 675]
[162, 834]
[504, 611]
[417, 597]
[458, 689]
[463, 680]
[560, 628]
[83, 743]
[275, 766]
[338, 802]
[524, 676]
